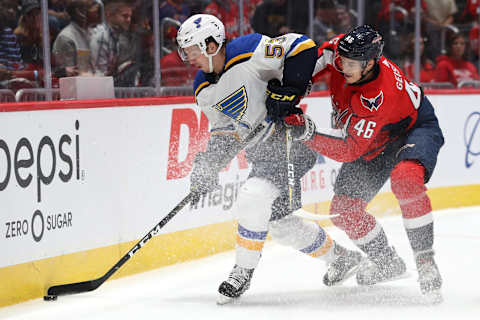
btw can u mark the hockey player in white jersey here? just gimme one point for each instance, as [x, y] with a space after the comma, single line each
[230, 89]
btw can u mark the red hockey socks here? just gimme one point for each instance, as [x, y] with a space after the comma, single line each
[407, 181]
[359, 225]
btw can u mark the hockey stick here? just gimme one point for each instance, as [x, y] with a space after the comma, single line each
[302, 213]
[291, 184]
[290, 167]
[90, 285]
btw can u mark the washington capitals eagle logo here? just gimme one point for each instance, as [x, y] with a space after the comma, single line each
[372, 104]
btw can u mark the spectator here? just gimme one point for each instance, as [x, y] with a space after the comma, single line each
[175, 9]
[29, 35]
[270, 18]
[470, 16]
[71, 50]
[252, 6]
[141, 28]
[175, 72]
[197, 6]
[427, 66]
[105, 42]
[409, 6]
[11, 11]
[10, 56]
[58, 17]
[146, 61]
[438, 15]
[440, 12]
[298, 15]
[395, 32]
[470, 13]
[227, 11]
[30, 39]
[454, 67]
[95, 15]
[473, 37]
[344, 21]
[323, 22]
[28, 32]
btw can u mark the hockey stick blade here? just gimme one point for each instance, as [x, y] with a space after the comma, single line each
[302, 213]
[72, 288]
[90, 285]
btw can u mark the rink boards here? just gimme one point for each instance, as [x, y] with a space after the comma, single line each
[81, 182]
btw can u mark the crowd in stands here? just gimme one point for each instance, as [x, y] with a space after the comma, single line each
[115, 37]
[448, 44]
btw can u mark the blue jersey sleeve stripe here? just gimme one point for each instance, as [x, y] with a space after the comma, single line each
[240, 58]
[241, 48]
[300, 44]
[202, 85]
[199, 83]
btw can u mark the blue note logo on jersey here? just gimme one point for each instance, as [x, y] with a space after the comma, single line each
[234, 106]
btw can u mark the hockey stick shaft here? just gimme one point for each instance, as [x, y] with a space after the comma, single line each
[90, 285]
[302, 213]
[290, 167]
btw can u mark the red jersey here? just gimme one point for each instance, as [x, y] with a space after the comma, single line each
[454, 70]
[470, 11]
[370, 115]
[427, 71]
[175, 72]
[229, 17]
[408, 5]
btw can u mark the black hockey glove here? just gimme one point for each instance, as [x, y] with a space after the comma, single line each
[302, 128]
[204, 177]
[281, 101]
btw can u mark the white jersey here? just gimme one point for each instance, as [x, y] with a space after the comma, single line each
[236, 103]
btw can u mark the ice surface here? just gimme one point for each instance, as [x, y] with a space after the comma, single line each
[287, 285]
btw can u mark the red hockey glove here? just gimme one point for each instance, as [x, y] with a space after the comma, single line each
[301, 125]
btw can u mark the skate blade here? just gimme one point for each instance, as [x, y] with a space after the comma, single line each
[433, 297]
[221, 299]
[404, 275]
[347, 276]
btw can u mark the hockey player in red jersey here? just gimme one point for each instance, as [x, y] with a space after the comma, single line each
[383, 127]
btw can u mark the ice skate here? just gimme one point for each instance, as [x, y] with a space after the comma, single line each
[343, 267]
[383, 267]
[237, 283]
[429, 277]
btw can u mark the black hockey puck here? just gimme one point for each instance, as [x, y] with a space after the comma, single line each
[50, 297]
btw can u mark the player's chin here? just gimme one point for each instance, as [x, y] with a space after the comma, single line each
[350, 78]
[203, 68]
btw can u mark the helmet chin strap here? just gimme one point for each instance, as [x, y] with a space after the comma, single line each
[210, 58]
[210, 64]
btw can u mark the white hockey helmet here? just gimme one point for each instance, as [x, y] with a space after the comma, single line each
[197, 30]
